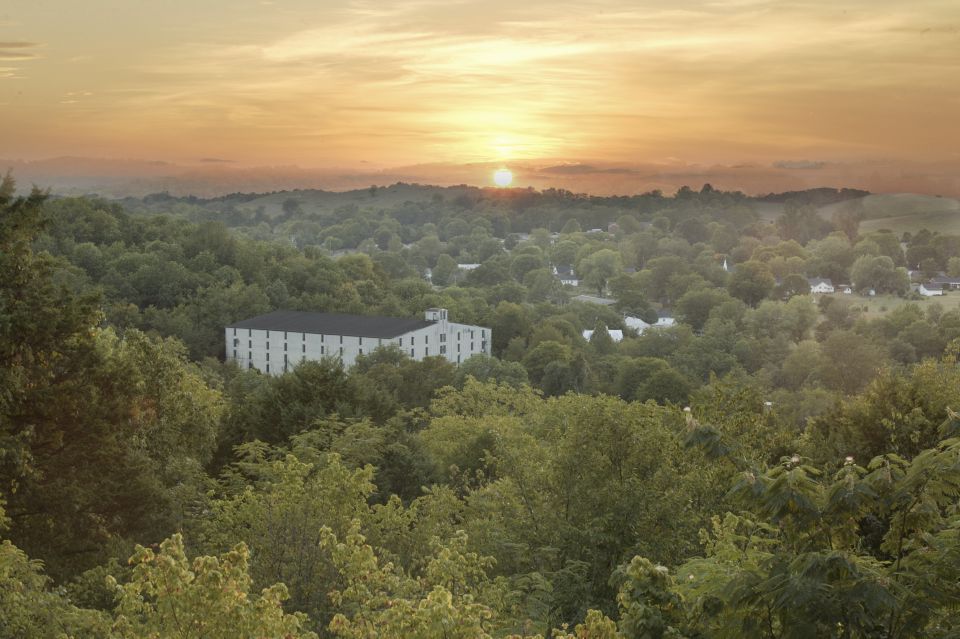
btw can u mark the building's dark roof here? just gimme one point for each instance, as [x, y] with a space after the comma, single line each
[332, 324]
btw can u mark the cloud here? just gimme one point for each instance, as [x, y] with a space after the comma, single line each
[586, 169]
[802, 165]
[216, 161]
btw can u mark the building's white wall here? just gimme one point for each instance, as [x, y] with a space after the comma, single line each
[249, 347]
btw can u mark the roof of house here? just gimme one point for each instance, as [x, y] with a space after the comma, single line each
[813, 281]
[945, 279]
[564, 269]
[333, 324]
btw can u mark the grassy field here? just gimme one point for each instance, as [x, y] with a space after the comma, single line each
[882, 304]
[897, 212]
[947, 222]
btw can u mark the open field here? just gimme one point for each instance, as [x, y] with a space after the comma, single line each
[947, 222]
[882, 304]
[897, 212]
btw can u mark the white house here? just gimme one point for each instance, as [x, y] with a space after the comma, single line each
[635, 323]
[664, 320]
[565, 274]
[615, 334]
[820, 285]
[929, 289]
[276, 342]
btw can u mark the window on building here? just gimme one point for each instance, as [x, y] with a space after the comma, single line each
[472, 347]
[268, 346]
[249, 332]
[401, 342]
[341, 339]
[249, 364]
[303, 336]
[443, 349]
[458, 359]
[236, 341]
[361, 351]
[412, 340]
[483, 332]
[426, 351]
[443, 337]
[361, 341]
[321, 350]
[249, 343]
[458, 348]
[268, 334]
[304, 348]
[321, 339]
[284, 347]
[234, 331]
[284, 361]
[249, 355]
[234, 353]
[268, 357]
[284, 335]
[411, 352]
[268, 368]
[426, 339]
[341, 351]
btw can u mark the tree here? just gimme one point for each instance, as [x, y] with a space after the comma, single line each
[879, 274]
[694, 306]
[751, 282]
[597, 268]
[445, 270]
[208, 598]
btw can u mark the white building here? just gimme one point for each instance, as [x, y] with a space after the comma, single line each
[820, 285]
[276, 342]
[929, 290]
[615, 334]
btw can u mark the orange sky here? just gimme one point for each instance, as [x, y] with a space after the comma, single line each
[372, 84]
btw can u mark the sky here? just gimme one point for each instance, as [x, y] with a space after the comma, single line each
[607, 91]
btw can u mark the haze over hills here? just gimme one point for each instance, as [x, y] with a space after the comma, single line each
[211, 177]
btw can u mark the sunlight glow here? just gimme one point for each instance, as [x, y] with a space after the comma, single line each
[502, 177]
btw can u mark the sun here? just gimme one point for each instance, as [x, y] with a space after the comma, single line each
[502, 177]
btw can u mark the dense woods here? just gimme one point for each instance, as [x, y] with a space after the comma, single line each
[774, 465]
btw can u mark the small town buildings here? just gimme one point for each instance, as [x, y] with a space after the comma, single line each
[276, 342]
[820, 285]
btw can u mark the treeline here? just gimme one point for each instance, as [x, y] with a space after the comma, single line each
[167, 275]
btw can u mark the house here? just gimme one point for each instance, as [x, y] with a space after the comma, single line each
[636, 324]
[820, 285]
[276, 342]
[929, 289]
[565, 274]
[664, 319]
[846, 289]
[615, 335]
[467, 267]
[944, 281]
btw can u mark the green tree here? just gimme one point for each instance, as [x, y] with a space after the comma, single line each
[751, 282]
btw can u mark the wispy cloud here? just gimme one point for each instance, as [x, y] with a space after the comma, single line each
[728, 81]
